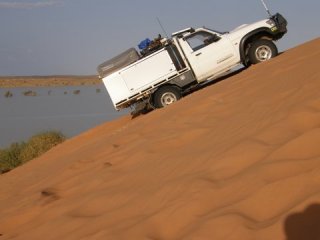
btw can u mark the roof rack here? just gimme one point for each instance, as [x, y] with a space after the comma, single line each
[187, 30]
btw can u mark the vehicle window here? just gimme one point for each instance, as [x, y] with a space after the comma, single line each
[200, 40]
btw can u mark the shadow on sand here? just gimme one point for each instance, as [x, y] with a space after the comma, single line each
[304, 225]
[137, 112]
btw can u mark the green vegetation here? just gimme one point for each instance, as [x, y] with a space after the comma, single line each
[76, 92]
[20, 153]
[8, 94]
[30, 93]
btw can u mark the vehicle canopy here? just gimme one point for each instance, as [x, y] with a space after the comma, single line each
[122, 60]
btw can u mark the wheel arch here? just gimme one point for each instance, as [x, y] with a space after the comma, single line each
[260, 33]
[153, 94]
[167, 85]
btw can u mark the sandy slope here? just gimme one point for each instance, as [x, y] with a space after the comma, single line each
[237, 160]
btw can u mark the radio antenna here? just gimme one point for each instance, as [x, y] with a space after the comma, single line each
[265, 6]
[170, 45]
[165, 33]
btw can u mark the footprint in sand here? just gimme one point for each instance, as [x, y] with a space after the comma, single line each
[49, 195]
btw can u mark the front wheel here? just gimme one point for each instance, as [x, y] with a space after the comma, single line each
[166, 95]
[262, 50]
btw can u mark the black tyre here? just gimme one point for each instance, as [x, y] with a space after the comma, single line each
[262, 50]
[166, 95]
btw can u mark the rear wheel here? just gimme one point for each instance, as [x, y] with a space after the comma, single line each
[166, 95]
[262, 50]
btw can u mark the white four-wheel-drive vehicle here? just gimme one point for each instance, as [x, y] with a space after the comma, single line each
[166, 68]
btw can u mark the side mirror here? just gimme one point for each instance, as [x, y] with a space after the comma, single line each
[215, 38]
[212, 39]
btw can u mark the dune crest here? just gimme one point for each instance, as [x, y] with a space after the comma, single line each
[236, 160]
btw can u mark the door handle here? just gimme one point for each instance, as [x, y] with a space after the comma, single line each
[198, 54]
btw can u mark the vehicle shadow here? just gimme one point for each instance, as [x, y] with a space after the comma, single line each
[143, 111]
[304, 225]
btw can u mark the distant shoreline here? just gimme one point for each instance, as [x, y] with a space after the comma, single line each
[48, 81]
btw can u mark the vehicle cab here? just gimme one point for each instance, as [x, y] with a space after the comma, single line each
[208, 52]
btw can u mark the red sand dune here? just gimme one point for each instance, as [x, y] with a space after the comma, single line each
[237, 160]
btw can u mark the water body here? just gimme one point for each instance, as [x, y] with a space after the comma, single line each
[27, 111]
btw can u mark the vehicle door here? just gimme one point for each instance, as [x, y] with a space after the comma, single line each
[208, 53]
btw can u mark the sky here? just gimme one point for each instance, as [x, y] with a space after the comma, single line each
[72, 37]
